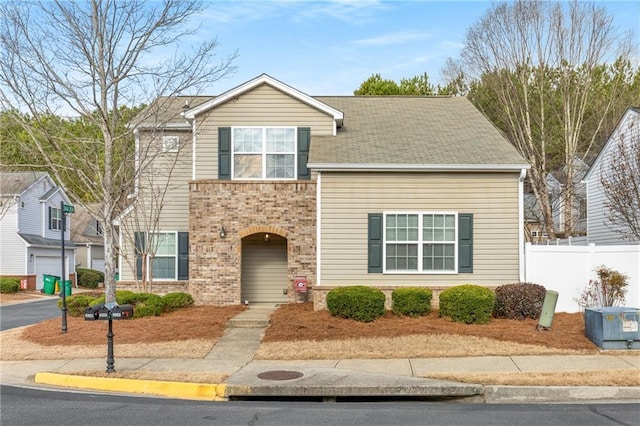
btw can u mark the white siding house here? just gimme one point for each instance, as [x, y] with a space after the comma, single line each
[30, 228]
[600, 230]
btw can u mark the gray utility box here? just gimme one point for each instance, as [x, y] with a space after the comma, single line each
[613, 327]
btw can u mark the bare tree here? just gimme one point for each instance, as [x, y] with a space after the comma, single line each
[620, 178]
[537, 66]
[87, 59]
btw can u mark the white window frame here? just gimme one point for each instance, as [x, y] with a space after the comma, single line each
[56, 222]
[420, 242]
[155, 255]
[264, 153]
[170, 143]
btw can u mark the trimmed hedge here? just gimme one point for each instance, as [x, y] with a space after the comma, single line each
[175, 301]
[519, 301]
[9, 285]
[411, 302]
[89, 278]
[360, 303]
[144, 304]
[468, 303]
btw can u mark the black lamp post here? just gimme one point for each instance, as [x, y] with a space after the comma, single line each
[63, 226]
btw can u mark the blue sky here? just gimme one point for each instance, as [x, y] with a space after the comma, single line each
[330, 47]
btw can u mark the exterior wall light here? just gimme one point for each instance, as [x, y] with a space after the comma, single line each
[267, 238]
[223, 233]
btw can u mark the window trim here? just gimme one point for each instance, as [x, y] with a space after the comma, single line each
[175, 256]
[420, 243]
[55, 223]
[264, 153]
[170, 143]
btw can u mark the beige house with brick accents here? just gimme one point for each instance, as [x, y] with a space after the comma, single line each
[273, 189]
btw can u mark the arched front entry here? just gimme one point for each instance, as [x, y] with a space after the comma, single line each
[264, 268]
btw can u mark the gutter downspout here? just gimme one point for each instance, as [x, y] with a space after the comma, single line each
[318, 229]
[521, 256]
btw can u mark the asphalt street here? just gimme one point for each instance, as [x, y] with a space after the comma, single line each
[21, 314]
[21, 406]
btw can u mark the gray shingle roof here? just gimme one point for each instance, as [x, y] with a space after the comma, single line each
[15, 183]
[405, 130]
[166, 110]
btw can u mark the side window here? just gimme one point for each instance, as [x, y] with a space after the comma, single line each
[55, 218]
[170, 143]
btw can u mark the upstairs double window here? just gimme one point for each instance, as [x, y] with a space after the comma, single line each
[264, 152]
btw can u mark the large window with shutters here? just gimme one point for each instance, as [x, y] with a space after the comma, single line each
[420, 242]
[167, 257]
[264, 152]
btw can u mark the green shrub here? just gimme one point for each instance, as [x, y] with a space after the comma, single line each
[468, 303]
[175, 301]
[89, 278]
[76, 304]
[411, 302]
[127, 297]
[122, 297]
[9, 285]
[360, 303]
[148, 305]
[519, 301]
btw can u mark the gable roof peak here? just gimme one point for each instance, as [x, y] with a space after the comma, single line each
[264, 78]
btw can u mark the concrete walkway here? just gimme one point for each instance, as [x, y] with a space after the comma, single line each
[233, 355]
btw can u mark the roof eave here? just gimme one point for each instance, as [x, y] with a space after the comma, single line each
[165, 126]
[344, 167]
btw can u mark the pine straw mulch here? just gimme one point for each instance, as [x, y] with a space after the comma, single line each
[297, 332]
[297, 322]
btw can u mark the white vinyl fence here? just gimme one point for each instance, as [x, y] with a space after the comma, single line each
[568, 269]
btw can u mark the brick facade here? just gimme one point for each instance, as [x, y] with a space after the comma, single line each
[284, 208]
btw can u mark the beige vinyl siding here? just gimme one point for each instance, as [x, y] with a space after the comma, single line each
[264, 269]
[174, 215]
[347, 199]
[262, 106]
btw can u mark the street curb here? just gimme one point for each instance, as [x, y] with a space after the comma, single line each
[561, 394]
[181, 390]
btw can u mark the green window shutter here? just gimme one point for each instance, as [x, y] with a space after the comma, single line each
[465, 242]
[183, 256]
[224, 153]
[139, 248]
[50, 219]
[304, 142]
[375, 243]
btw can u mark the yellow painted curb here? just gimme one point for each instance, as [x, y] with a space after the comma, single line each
[182, 390]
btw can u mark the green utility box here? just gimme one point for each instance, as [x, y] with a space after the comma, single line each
[613, 327]
[50, 283]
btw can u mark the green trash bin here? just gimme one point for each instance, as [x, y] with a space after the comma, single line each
[67, 288]
[50, 283]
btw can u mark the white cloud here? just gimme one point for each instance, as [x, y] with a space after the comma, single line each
[393, 38]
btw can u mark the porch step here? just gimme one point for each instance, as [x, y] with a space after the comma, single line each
[255, 316]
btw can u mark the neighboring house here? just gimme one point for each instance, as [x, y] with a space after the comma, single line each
[275, 185]
[30, 228]
[534, 223]
[599, 228]
[86, 234]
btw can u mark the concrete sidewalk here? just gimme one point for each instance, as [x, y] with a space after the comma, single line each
[326, 379]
